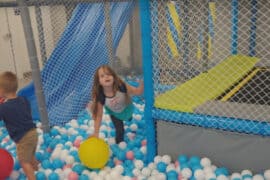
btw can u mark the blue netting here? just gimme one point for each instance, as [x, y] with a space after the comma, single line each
[67, 76]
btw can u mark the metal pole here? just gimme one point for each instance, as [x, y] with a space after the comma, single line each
[32, 53]
[51, 2]
[41, 34]
[108, 29]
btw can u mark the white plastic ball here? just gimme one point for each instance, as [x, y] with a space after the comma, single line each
[208, 170]
[161, 176]
[170, 167]
[210, 176]
[146, 171]
[258, 177]
[14, 175]
[119, 169]
[136, 172]
[199, 174]
[186, 172]
[93, 175]
[205, 162]
[60, 173]
[98, 177]
[126, 178]
[157, 159]
[111, 141]
[154, 172]
[138, 164]
[236, 176]
[133, 127]
[166, 159]
[143, 149]
[69, 159]
[115, 174]
[48, 172]
[151, 166]
[222, 177]
[267, 174]
[122, 145]
[103, 128]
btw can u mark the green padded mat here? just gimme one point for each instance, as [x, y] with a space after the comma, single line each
[206, 86]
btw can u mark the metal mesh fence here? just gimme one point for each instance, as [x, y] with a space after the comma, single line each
[72, 39]
[212, 58]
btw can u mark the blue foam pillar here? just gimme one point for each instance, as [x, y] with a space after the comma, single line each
[252, 41]
[234, 37]
[145, 18]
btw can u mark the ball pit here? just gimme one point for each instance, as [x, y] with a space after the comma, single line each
[59, 154]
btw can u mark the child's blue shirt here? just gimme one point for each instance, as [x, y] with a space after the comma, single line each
[16, 114]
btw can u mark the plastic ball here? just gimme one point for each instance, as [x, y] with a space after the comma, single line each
[258, 177]
[166, 159]
[161, 167]
[186, 172]
[73, 176]
[236, 176]
[182, 159]
[6, 164]
[53, 176]
[40, 175]
[130, 155]
[267, 174]
[199, 174]
[94, 153]
[205, 162]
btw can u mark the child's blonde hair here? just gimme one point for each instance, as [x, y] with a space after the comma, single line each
[8, 82]
[97, 89]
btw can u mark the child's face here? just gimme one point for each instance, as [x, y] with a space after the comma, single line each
[105, 78]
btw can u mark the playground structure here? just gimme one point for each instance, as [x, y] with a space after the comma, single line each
[197, 56]
[211, 92]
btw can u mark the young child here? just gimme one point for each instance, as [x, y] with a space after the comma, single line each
[16, 114]
[110, 92]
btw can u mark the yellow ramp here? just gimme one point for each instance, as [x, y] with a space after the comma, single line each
[206, 86]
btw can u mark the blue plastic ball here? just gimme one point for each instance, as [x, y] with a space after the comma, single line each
[182, 159]
[161, 167]
[78, 168]
[57, 163]
[46, 164]
[83, 177]
[53, 176]
[40, 176]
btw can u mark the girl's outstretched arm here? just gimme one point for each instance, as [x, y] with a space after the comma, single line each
[97, 120]
[135, 90]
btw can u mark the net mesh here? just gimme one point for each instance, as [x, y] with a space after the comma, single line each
[73, 38]
[212, 58]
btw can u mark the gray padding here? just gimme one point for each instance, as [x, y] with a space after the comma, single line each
[225, 149]
[235, 110]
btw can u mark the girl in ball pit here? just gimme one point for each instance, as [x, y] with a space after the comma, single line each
[112, 93]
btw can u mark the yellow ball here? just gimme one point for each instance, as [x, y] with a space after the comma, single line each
[94, 153]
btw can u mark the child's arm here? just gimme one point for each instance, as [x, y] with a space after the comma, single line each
[135, 90]
[97, 120]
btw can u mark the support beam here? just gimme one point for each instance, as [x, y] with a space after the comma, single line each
[32, 53]
[145, 17]
[52, 2]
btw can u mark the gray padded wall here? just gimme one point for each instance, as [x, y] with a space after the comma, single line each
[225, 149]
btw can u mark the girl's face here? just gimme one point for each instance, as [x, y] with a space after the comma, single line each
[105, 78]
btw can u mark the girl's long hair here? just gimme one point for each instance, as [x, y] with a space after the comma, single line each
[97, 89]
